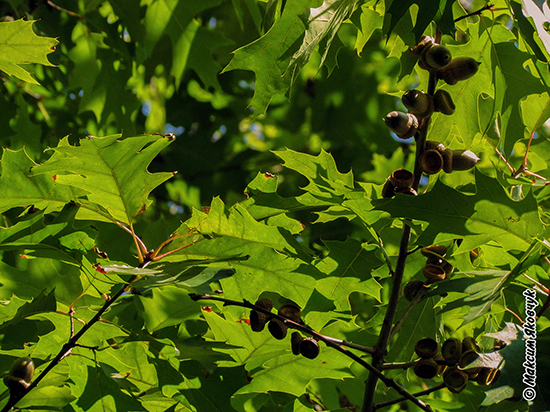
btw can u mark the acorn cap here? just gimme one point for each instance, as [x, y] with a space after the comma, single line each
[434, 273]
[291, 311]
[257, 321]
[412, 288]
[455, 380]
[401, 178]
[309, 348]
[451, 350]
[426, 368]
[432, 144]
[277, 329]
[426, 348]
[434, 250]
[469, 343]
[467, 357]
[431, 161]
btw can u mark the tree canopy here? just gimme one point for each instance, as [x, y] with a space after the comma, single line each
[274, 206]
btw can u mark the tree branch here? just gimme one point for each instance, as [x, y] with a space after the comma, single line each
[330, 342]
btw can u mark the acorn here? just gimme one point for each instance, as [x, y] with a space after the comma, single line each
[460, 68]
[431, 161]
[447, 155]
[467, 357]
[469, 343]
[434, 250]
[418, 103]
[486, 376]
[431, 144]
[455, 380]
[451, 350]
[443, 102]
[404, 125]
[434, 273]
[412, 288]
[277, 328]
[295, 341]
[401, 178]
[388, 190]
[463, 160]
[309, 348]
[426, 348]
[291, 311]
[20, 375]
[474, 254]
[436, 57]
[259, 319]
[426, 368]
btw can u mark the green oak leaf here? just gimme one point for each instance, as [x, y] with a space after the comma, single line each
[111, 174]
[20, 45]
[348, 268]
[270, 55]
[321, 171]
[489, 215]
[439, 11]
[21, 188]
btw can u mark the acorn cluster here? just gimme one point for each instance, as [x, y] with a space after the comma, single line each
[20, 375]
[420, 105]
[307, 347]
[452, 363]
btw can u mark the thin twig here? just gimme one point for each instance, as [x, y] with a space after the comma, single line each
[66, 349]
[397, 400]
[488, 6]
[330, 342]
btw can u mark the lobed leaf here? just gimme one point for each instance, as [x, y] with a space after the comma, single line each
[20, 45]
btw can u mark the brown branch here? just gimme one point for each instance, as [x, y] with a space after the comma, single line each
[385, 331]
[488, 6]
[330, 342]
[66, 349]
[397, 400]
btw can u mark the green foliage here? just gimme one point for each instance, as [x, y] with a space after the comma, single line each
[271, 114]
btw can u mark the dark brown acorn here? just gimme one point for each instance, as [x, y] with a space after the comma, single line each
[436, 57]
[309, 348]
[469, 343]
[467, 357]
[412, 288]
[259, 319]
[460, 68]
[295, 341]
[404, 125]
[431, 161]
[455, 380]
[20, 375]
[277, 328]
[486, 376]
[464, 159]
[402, 178]
[418, 103]
[432, 144]
[291, 311]
[474, 254]
[426, 368]
[434, 273]
[388, 190]
[443, 102]
[434, 250]
[426, 348]
[451, 350]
